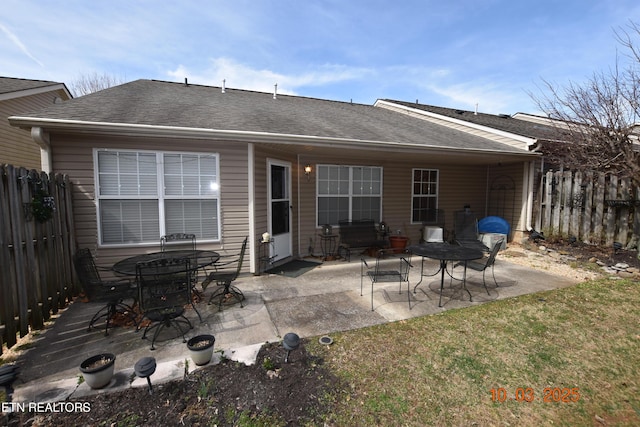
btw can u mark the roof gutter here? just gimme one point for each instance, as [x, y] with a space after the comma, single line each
[126, 129]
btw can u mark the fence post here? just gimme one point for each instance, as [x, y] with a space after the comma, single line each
[612, 194]
[577, 201]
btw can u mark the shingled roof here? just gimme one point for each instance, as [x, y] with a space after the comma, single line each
[10, 85]
[168, 105]
[503, 122]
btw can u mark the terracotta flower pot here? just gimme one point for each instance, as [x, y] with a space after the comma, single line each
[98, 370]
[201, 348]
[398, 243]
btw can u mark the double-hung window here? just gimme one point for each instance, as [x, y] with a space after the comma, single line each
[424, 197]
[348, 193]
[142, 195]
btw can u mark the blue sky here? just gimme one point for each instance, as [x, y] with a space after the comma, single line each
[454, 53]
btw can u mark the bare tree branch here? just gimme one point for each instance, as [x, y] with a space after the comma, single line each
[597, 119]
[94, 82]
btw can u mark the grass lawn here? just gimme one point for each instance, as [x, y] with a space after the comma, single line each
[564, 357]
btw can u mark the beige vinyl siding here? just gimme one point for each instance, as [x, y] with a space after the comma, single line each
[73, 155]
[515, 211]
[459, 185]
[16, 145]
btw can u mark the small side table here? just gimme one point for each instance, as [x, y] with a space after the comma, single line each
[328, 245]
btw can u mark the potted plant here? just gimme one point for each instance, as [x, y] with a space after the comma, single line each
[398, 243]
[201, 348]
[98, 370]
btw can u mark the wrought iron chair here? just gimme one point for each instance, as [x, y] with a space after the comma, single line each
[164, 290]
[465, 229]
[112, 293]
[179, 241]
[182, 240]
[176, 241]
[378, 273]
[227, 269]
[485, 264]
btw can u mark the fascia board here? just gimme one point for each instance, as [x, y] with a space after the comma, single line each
[35, 91]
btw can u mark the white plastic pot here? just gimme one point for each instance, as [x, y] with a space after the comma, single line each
[201, 348]
[98, 370]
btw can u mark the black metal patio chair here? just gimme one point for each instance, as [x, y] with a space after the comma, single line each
[184, 241]
[378, 273]
[226, 271]
[164, 290]
[179, 241]
[486, 263]
[465, 229]
[112, 293]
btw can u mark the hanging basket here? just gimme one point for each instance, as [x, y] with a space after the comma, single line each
[42, 206]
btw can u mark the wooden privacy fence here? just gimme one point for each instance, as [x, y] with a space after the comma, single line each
[592, 207]
[37, 242]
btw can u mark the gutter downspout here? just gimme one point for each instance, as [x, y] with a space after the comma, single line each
[41, 137]
[530, 177]
[298, 175]
[529, 173]
[251, 207]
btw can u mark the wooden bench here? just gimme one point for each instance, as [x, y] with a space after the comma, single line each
[358, 234]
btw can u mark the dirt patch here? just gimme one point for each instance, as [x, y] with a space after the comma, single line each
[279, 393]
[583, 252]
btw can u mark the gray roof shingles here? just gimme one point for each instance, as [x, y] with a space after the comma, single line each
[502, 122]
[11, 84]
[161, 103]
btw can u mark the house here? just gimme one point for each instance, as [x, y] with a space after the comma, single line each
[19, 96]
[153, 157]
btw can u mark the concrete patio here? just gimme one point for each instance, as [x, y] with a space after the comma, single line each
[321, 301]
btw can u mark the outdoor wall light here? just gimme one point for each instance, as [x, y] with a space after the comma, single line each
[307, 171]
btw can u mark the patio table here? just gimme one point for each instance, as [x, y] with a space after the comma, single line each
[445, 252]
[197, 259]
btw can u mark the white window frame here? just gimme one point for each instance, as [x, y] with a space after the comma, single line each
[161, 197]
[435, 195]
[350, 195]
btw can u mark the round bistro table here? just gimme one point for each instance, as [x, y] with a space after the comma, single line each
[197, 259]
[445, 252]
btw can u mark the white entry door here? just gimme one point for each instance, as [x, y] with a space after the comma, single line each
[280, 209]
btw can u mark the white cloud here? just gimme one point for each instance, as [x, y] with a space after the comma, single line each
[241, 76]
[488, 98]
[16, 41]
